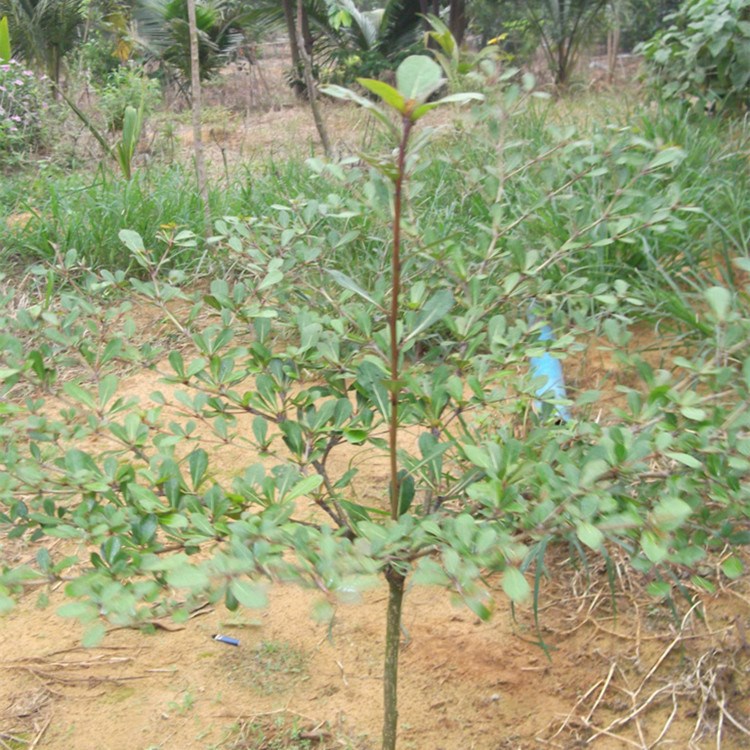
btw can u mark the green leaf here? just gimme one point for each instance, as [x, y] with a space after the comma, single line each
[590, 535]
[451, 99]
[653, 547]
[405, 492]
[6, 604]
[417, 77]
[94, 635]
[477, 456]
[132, 240]
[436, 308]
[720, 300]
[732, 567]
[356, 436]
[670, 513]
[671, 156]
[515, 585]
[387, 93]
[343, 93]
[4, 40]
[478, 607]
[592, 471]
[273, 277]
[685, 458]
[187, 577]
[83, 611]
[430, 573]
[79, 394]
[304, 487]
[343, 280]
[659, 589]
[198, 463]
[693, 413]
[248, 594]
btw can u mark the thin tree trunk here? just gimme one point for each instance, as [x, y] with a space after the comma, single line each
[613, 50]
[291, 28]
[396, 580]
[310, 82]
[392, 647]
[195, 85]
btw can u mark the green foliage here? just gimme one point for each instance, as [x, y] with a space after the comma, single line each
[44, 31]
[131, 133]
[641, 19]
[705, 52]
[88, 214]
[164, 24]
[294, 360]
[357, 43]
[22, 105]
[127, 87]
[563, 26]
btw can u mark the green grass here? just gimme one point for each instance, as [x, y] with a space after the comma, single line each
[451, 197]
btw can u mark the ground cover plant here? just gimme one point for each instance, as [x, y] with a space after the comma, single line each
[362, 316]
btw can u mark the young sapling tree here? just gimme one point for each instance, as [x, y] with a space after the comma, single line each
[280, 372]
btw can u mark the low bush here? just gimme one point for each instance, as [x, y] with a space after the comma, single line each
[124, 88]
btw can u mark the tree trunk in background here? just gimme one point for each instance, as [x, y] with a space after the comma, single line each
[291, 29]
[613, 50]
[457, 22]
[195, 85]
[424, 9]
[304, 23]
[310, 81]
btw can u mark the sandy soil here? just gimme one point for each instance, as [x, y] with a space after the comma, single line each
[632, 672]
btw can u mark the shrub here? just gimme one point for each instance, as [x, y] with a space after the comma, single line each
[126, 87]
[21, 105]
[705, 52]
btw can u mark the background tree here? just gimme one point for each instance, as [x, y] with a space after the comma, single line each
[45, 31]
[562, 26]
[164, 27]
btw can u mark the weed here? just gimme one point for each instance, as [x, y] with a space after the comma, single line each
[274, 667]
[285, 731]
[184, 705]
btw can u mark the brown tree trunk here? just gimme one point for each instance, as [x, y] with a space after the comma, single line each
[310, 81]
[392, 647]
[457, 22]
[291, 29]
[195, 86]
[424, 9]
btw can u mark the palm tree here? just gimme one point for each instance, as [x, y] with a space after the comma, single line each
[165, 30]
[45, 31]
[377, 37]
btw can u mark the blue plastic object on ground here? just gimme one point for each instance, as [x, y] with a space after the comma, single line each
[550, 368]
[226, 639]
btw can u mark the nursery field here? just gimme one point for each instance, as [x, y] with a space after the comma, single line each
[327, 396]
